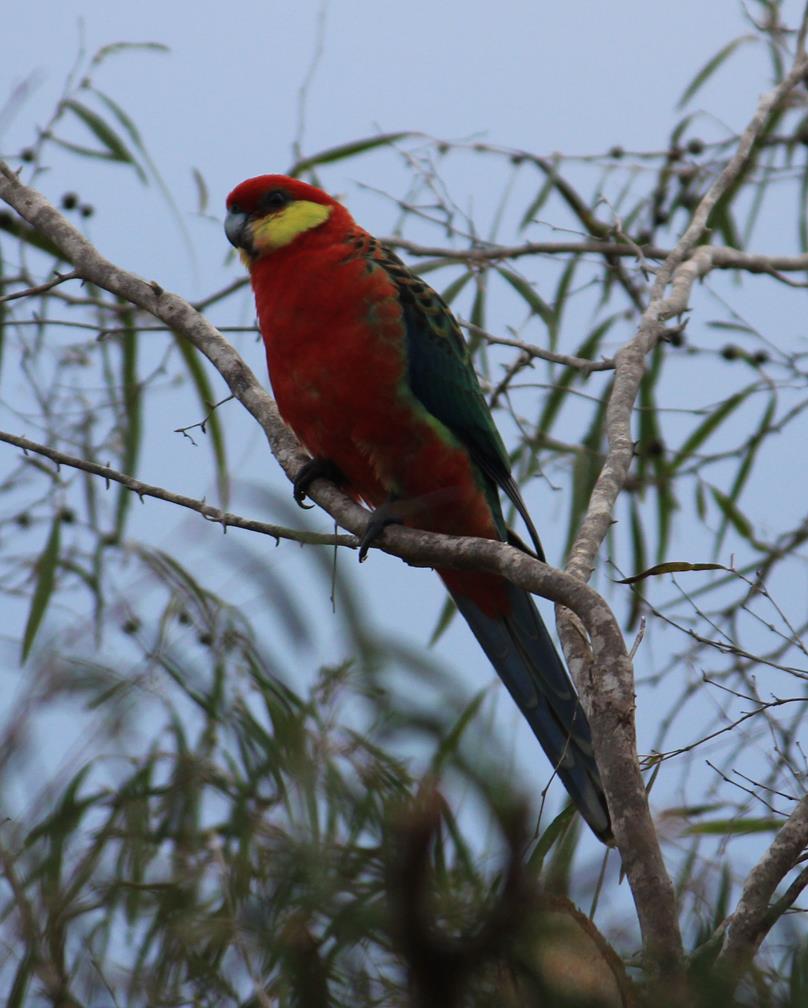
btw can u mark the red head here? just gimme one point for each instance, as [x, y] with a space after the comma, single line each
[269, 212]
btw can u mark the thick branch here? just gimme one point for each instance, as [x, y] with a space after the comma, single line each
[609, 693]
[752, 920]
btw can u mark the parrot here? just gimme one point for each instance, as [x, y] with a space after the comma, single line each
[371, 371]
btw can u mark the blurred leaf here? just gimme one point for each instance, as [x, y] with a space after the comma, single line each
[450, 743]
[530, 296]
[116, 149]
[734, 827]
[347, 150]
[748, 457]
[586, 468]
[536, 204]
[711, 66]
[46, 570]
[114, 48]
[446, 616]
[202, 195]
[557, 828]
[213, 425]
[131, 421]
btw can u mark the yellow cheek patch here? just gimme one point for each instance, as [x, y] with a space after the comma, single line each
[279, 229]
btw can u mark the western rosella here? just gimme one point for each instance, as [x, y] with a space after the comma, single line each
[370, 370]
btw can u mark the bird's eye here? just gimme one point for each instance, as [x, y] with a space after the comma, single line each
[234, 208]
[275, 200]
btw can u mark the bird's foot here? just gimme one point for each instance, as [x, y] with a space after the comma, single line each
[314, 469]
[384, 515]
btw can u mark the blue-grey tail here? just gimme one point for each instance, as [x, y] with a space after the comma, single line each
[525, 658]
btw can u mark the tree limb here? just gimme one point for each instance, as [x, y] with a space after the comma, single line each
[752, 919]
[212, 514]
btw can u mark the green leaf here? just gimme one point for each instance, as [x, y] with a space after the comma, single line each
[550, 837]
[46, 570]
[105, 134]
[213, 425]
[748, 457]
[131, 421]
[446, 616]
[536, 304]
[536, 204]
[450, 743]
[711, 66]
[713, 421]
[733, 515]
[734, 827]
[347, 150]
[586, 351]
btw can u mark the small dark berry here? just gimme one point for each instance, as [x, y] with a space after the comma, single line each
[23, 520]
[761, 357]
[70, 201]
[131, 626]
[730, 352]
[695, 146]
[616, 152]
[86, 210]
[661, 217]
[205, 639]
[676, 339]
[27, 154]
[183, 618]
[67, 515]
[674, 153]
[655, 447]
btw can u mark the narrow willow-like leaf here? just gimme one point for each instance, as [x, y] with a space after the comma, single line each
[550, 837]
[733, 515]
[105, 134]
[131, 420]
[586, 351]
[709, 426]
[711, 66]
[446, 616]
[451, 741]
[536, 204]
[734, 827]
[639, 557]
[213, 425]
[347, 150]
[748, 457]
[45, 571]
[536, 304]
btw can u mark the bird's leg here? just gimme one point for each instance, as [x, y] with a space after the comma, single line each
[314, 469]
[389, 513]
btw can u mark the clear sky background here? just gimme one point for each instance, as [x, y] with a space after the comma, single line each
[243, 82]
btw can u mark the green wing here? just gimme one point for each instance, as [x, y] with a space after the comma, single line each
[442, 378]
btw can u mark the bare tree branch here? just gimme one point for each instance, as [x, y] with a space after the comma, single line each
[208, 512]
[752, 919]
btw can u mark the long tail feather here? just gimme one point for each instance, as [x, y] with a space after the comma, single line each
[525, 658]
